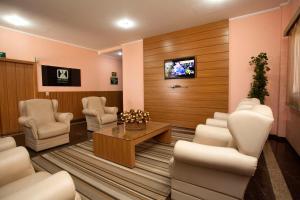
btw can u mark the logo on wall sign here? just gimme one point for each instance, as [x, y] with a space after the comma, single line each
[62, 75]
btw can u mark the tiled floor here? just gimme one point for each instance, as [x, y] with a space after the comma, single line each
[259, 186]
[289, 163]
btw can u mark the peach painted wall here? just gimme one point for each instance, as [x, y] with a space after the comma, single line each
[292, 116]
[264, 32]
[133, 75]
[23, 46]
[248, 36]
[106, 65]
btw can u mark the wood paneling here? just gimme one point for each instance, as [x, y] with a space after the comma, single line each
[71, 101]
[199, 98]
[18, 82]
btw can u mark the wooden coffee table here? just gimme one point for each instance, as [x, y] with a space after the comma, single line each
[118, 145]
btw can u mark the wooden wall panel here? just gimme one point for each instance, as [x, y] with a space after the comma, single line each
[200, 97]
[17, 80]
[71, 101]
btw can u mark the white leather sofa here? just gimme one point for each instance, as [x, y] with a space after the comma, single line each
[18, 179]
[219, 163]
[97, 114]
[220, 119]
[7, 143]
[43, 126]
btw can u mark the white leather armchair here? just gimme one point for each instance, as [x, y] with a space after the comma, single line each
[7, 143]
[220, 119]
[19, 180]
[219, 163]
[97, 114]
[43, 126]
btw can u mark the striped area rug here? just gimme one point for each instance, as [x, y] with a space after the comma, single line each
[96, 178]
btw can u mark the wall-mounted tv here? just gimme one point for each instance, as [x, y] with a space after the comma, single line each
[180, 68]
[60, 76]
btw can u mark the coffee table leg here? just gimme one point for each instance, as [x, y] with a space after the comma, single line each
[165, 137]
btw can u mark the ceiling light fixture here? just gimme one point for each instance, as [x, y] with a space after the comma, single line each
[16, 20]
[125, 23]
[215, 1]
[119, 53]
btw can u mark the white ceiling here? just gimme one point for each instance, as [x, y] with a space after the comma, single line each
[90, 23]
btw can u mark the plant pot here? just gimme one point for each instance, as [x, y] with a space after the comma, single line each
[135, 126]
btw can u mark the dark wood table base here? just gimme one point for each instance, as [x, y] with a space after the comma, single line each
[118, 145]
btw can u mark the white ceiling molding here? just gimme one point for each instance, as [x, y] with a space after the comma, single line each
[50, 39]
[108, 50]
[255, 13]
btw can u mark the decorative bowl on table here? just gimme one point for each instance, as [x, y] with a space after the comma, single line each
[135, 119]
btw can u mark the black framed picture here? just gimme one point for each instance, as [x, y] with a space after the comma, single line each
[60, 76]
[114, 80]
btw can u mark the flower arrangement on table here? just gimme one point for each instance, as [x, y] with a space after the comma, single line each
[135, 119]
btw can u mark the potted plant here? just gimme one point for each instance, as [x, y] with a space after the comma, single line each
[260, 80]
[135, 119]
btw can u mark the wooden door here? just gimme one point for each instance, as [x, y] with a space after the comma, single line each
[16, 83]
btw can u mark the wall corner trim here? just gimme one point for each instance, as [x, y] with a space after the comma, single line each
[255, 13]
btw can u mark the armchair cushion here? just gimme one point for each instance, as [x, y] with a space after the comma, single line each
[218, 158]
[14, 164]
[52, 129]
[57, 186]
[214, 136]
[17, 185]
[91, 112]
[220, 115]
[41, 110]
[250, 129]
[111, 110]
[95, 103]
[63, 117]
[216, 122]
[7, 143]
[108, 118]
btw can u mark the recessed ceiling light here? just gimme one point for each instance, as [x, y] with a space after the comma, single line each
[125, 23]
[119, 53]
[215, 1]
[16, 20]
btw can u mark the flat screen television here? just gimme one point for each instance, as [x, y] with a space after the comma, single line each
[180, 68]
[60, 76]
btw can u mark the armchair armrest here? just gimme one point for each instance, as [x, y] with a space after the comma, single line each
[220, 115]
[27, 122]
[218, 158]
[111, 110]
[216, 122]
[63, 117]
[7, 143]
[14, 164]
[57, 186]
[90, 112]
[214, 136]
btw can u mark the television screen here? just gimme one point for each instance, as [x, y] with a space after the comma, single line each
[60, 76]
[180, 68]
